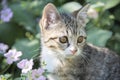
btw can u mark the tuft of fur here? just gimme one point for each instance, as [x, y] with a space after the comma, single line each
[58, 57]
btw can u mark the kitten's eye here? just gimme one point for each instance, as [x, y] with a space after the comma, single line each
[63, 39]
[80, 39]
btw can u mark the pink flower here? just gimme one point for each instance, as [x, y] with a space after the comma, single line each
[25, 65]
[6, 14]
[37, 74]
[3, 47]
[12, 56]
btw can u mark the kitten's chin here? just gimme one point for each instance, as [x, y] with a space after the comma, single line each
[71, 55]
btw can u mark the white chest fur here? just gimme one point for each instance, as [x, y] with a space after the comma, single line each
[50, 60]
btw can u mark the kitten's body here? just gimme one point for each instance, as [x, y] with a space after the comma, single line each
[103, 65]
[73, 59]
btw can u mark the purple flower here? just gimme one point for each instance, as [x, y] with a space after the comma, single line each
[3, 47]
[37, 74]
[12, 56]
[25, 65]
[6, 14]
[41, 78]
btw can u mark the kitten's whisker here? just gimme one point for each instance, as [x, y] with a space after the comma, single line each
[85, 58]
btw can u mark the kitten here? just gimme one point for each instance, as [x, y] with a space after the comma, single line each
[65, 52]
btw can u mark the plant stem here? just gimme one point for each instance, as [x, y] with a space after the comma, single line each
[5, 69]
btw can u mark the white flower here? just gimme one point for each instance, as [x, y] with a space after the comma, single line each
[92, 13]
[3, 47]
[6, 14]
[25, 65]
[12, 56]
[37, 74]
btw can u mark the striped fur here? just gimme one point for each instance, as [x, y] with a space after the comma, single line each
[56, 55]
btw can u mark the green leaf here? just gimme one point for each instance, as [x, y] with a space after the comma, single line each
[23, 17]
[10, 32]
[21, 78]
[91, 1]
[71, 6]
[107, 3]
[30, 48]
[35, 6]
[117, 47]
[111, 3]
[117, 13]
[98, 36]
[5, 77]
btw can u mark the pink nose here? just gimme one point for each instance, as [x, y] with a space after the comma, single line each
[73, 51]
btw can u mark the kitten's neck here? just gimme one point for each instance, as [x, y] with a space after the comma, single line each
[50, 59]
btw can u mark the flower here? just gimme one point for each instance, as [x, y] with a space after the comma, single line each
[92, 13]
[6, 14]
[3, 47]
[41, 78]
[25, 65]
[12, 56]
[37, 74]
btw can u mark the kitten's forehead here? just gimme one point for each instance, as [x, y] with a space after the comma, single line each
[71, 25]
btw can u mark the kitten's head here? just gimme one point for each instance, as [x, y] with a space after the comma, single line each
[63, 33]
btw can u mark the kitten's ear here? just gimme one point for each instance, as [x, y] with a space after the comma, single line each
[81, 15]
[50, 16]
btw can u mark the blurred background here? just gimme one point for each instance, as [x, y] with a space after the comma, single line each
[19, 21]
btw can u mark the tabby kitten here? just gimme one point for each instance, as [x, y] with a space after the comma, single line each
[64, 48]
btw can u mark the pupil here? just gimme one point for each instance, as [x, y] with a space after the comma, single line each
[80, 39]
[63, 39]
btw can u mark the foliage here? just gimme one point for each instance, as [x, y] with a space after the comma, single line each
[22, 32]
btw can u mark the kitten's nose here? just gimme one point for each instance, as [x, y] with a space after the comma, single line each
[73, 51]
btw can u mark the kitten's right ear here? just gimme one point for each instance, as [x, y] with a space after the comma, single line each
[50, 16]
[81, 15]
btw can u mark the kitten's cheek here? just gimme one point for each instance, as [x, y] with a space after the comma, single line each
[67, 52]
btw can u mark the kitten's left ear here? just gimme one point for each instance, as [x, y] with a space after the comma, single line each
[81, 15]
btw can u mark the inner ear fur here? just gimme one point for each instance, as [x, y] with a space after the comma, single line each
[50, 16]
[81, 15]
